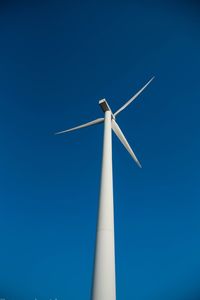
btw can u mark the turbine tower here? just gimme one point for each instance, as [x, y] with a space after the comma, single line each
[103, 285]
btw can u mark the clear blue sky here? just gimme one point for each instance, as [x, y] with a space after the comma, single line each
[57, 59]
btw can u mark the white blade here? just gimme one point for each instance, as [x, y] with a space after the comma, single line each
[122, 138]
[134, 97]
[97, 121]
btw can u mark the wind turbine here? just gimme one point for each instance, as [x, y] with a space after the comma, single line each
[103, 286]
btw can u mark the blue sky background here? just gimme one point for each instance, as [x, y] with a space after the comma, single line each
[57, 59]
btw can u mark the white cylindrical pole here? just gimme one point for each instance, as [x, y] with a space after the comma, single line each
[104, 265]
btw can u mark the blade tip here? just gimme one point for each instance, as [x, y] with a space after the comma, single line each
[58, 133]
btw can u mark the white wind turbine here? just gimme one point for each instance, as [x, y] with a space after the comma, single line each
[103, 287]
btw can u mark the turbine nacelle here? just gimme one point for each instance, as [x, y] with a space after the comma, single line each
[105, 107]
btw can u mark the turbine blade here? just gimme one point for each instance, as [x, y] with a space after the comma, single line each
[133, 98]
[123, 140]
[97, 121]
